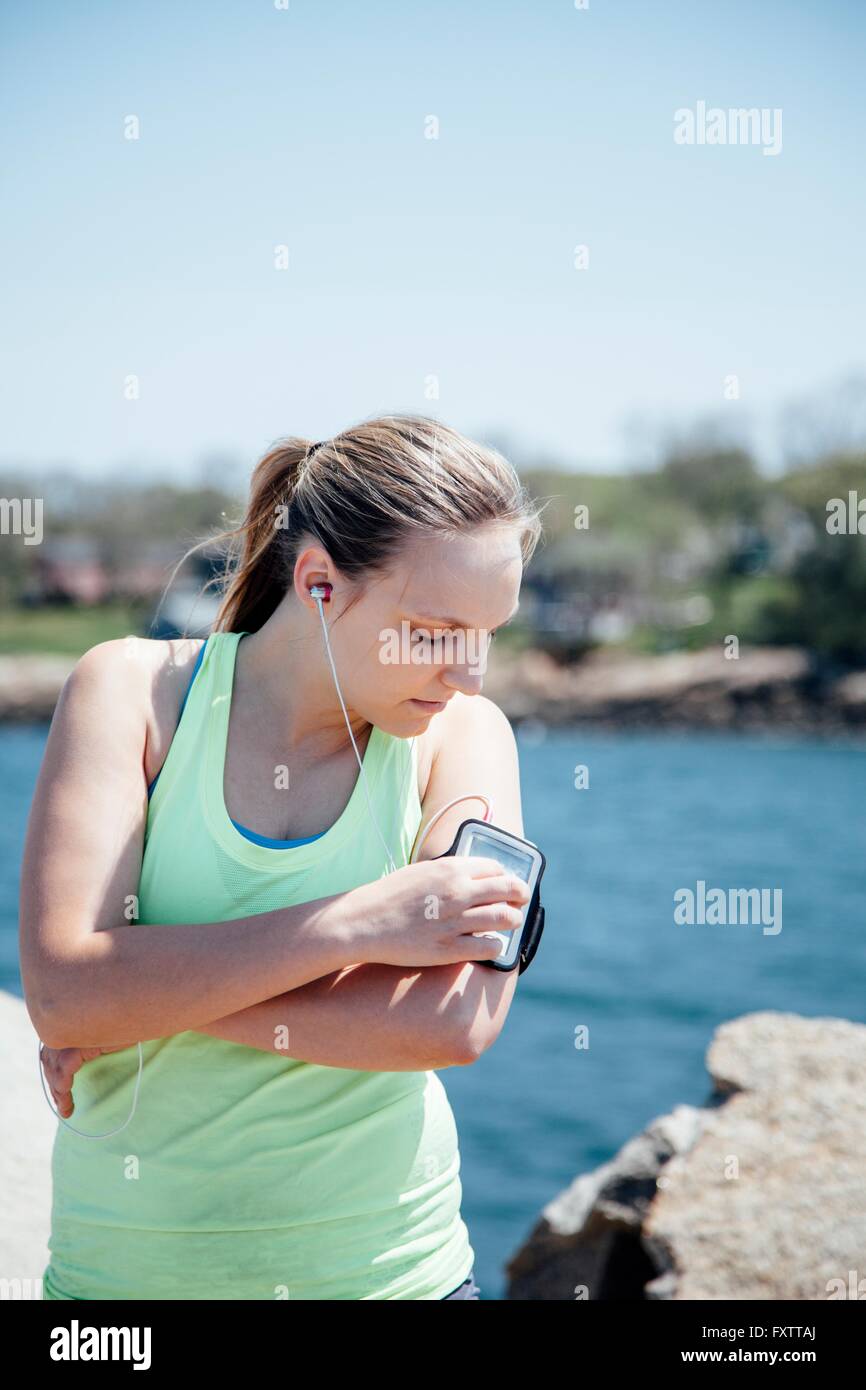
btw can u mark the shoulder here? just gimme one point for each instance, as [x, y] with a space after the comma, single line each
[140, 680]
[468, 725]
[133, 663]
[469, 717]
[108, 673]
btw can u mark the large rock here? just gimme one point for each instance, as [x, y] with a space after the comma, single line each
[760, 1194]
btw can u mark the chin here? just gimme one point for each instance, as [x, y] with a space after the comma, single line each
[405, 719]
[411, 718]
[401, 721]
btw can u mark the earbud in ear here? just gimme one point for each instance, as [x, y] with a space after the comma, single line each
[322, 591]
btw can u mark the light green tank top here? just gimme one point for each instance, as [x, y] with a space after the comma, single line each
[245, 1174]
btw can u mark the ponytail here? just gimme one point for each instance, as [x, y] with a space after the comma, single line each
[253, 578]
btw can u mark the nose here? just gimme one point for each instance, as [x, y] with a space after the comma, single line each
[463, 681]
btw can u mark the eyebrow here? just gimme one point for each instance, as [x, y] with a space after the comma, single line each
[458, 622]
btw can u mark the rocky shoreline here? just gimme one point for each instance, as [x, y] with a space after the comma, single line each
[764, 688]
[756, 1195]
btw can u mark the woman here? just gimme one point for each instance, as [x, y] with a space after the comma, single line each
[293, 998]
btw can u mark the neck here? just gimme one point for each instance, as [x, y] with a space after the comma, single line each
[283, 677]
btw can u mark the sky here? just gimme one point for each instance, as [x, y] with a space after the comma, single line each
[150, 329]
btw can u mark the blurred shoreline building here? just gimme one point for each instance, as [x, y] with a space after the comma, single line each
[83, 571]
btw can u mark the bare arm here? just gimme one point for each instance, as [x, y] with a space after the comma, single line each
[87, 985]
[377, 1017]
[367, 1017]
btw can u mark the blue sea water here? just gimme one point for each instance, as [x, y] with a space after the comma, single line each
[661, 812]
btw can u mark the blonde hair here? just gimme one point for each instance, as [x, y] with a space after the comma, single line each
[361, 495]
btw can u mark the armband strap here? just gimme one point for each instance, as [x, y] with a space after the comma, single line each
[532, 929]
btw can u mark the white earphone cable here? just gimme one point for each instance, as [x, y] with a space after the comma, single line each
[467, 796]
[108, 1133]
[351, 735]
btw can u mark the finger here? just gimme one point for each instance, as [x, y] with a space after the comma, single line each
[63, 1069]
[494, 888]
[68, 1061]
[480, 947]
[62, 1100]
[492, 917]
[481, 865]
[64, 1090]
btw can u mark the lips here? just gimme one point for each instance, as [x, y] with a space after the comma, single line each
[432, 705]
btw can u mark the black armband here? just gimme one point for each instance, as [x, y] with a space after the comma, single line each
[533, 925]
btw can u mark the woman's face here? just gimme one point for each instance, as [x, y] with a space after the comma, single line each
[422, 632]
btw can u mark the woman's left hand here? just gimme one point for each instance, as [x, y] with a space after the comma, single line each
[60, 1065]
